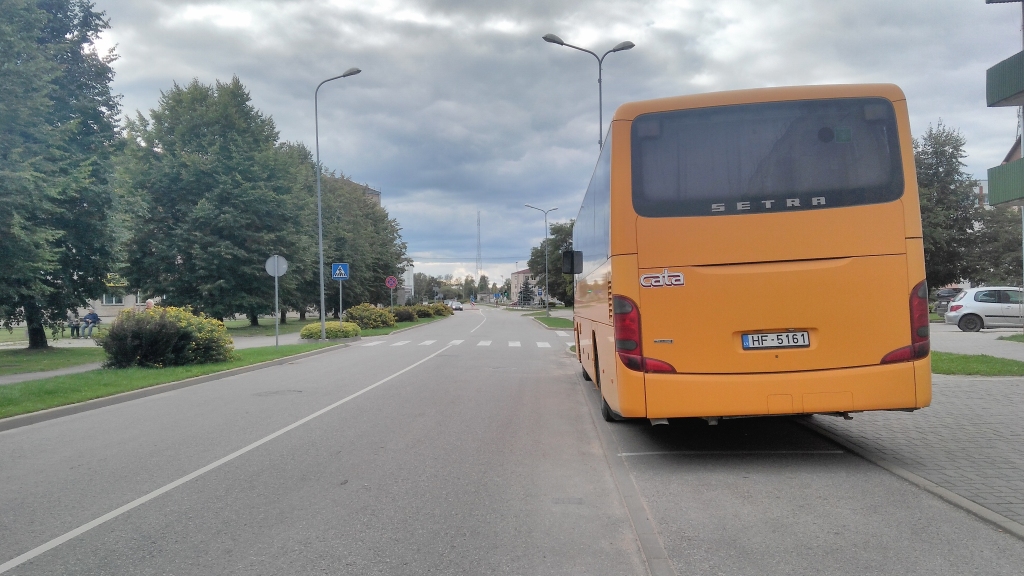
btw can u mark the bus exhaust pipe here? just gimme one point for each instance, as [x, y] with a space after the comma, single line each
[657, 421]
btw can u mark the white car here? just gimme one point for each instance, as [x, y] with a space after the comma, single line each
[986, 307]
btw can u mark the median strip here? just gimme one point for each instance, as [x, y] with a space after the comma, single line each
[40, 400]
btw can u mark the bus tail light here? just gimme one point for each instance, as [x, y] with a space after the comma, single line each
[955, 307]
[919, 343]
[629, 347]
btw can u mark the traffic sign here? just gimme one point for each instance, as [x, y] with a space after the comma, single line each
[276, 266]
[391, 282]
[339, 271]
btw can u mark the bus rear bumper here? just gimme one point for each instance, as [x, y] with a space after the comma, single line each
[885, 387]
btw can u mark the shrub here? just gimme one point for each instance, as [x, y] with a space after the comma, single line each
[165, 337]
[441, 310]
[334, 330]
[423, 311]
[368, 316]
[404, 314]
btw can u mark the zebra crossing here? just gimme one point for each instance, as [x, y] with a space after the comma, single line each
[479, 343]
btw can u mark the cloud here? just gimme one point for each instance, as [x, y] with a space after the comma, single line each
[462, 107]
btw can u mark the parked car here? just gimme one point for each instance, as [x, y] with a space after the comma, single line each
[943, 297]
[986, 307]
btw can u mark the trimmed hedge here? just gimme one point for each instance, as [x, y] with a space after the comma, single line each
[333, 329]
[423, 311]
[404, 314]
[441, 310]
[165, 337]
[368, 316]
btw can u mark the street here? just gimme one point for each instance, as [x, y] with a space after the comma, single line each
[466, 446]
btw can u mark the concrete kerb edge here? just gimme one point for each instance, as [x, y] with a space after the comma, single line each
[60, 411]
[994, 518]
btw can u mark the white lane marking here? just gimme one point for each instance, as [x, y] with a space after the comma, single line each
[484, 343]
[543, 345]
[481, 322]
[167, 488]
[402, 343]
[569, 343]
[563, 334]
[513, 344]
[728, 452]
[374, 343]
[455, 342]
[427, 342]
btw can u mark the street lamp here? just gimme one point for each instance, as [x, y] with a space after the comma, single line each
[600, 60]
[547, 293]
[319, 204]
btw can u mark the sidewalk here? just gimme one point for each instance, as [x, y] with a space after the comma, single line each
[949, 338]
[970, 441]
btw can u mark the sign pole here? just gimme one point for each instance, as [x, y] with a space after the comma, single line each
[277, 306]
[341, 300]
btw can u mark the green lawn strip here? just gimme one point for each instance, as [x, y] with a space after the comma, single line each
[22, 360]
[20, 334]
[36, 395]
[241, 328]
[936, 318]
[554, 322]
[398, 326]
[1012, 338]
[975, 365]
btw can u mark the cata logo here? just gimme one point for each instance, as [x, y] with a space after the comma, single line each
[666, 278]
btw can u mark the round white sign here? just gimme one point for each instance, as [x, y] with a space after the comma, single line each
[276, 265]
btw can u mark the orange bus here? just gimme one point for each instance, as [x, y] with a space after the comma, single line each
[754, 252]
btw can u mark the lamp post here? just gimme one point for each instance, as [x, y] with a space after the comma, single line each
[600, 60]
[319, 203]
[547, 293]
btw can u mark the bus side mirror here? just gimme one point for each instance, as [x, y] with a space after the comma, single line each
[572, 262]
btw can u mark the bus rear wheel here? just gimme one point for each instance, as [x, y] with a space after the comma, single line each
[606, 411]
[970, 323]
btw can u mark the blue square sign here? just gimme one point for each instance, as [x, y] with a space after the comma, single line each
[339, 271]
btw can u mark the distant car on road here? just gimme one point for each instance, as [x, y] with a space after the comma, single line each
[456, 305]
[986, 307]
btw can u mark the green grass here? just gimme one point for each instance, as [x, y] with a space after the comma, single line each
[975, 365]
[572, 348]
[22, 360]
[1013, 338]
[38, 395]
[241, 328]
[933, 317]
[20, 334]
[554, 322]
[398, 326]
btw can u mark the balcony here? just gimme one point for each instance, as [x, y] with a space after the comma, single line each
[1006, 183]
[1004, 82]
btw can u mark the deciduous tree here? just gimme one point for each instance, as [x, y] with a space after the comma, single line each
[57, 133]
[948, 206]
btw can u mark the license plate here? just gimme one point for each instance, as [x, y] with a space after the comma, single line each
[776, 340]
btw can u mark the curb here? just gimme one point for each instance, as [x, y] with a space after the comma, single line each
[998, 520]
[21, 420]
[400, 330]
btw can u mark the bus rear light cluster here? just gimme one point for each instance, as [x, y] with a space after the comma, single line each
[628, 345]
[919, 343]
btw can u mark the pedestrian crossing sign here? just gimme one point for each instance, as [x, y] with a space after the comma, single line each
[339, 271]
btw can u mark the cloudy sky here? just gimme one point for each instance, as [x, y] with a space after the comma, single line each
[461, 107]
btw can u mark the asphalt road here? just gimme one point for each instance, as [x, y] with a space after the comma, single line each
[445, 455]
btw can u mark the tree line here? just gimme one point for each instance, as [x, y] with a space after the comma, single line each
[186, 203]
[964, 241]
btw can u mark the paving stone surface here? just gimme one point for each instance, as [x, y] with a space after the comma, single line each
[969, 441]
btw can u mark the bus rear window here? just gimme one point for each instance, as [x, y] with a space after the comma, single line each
[766, 157]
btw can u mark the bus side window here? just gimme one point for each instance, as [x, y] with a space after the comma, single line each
[572, 262]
